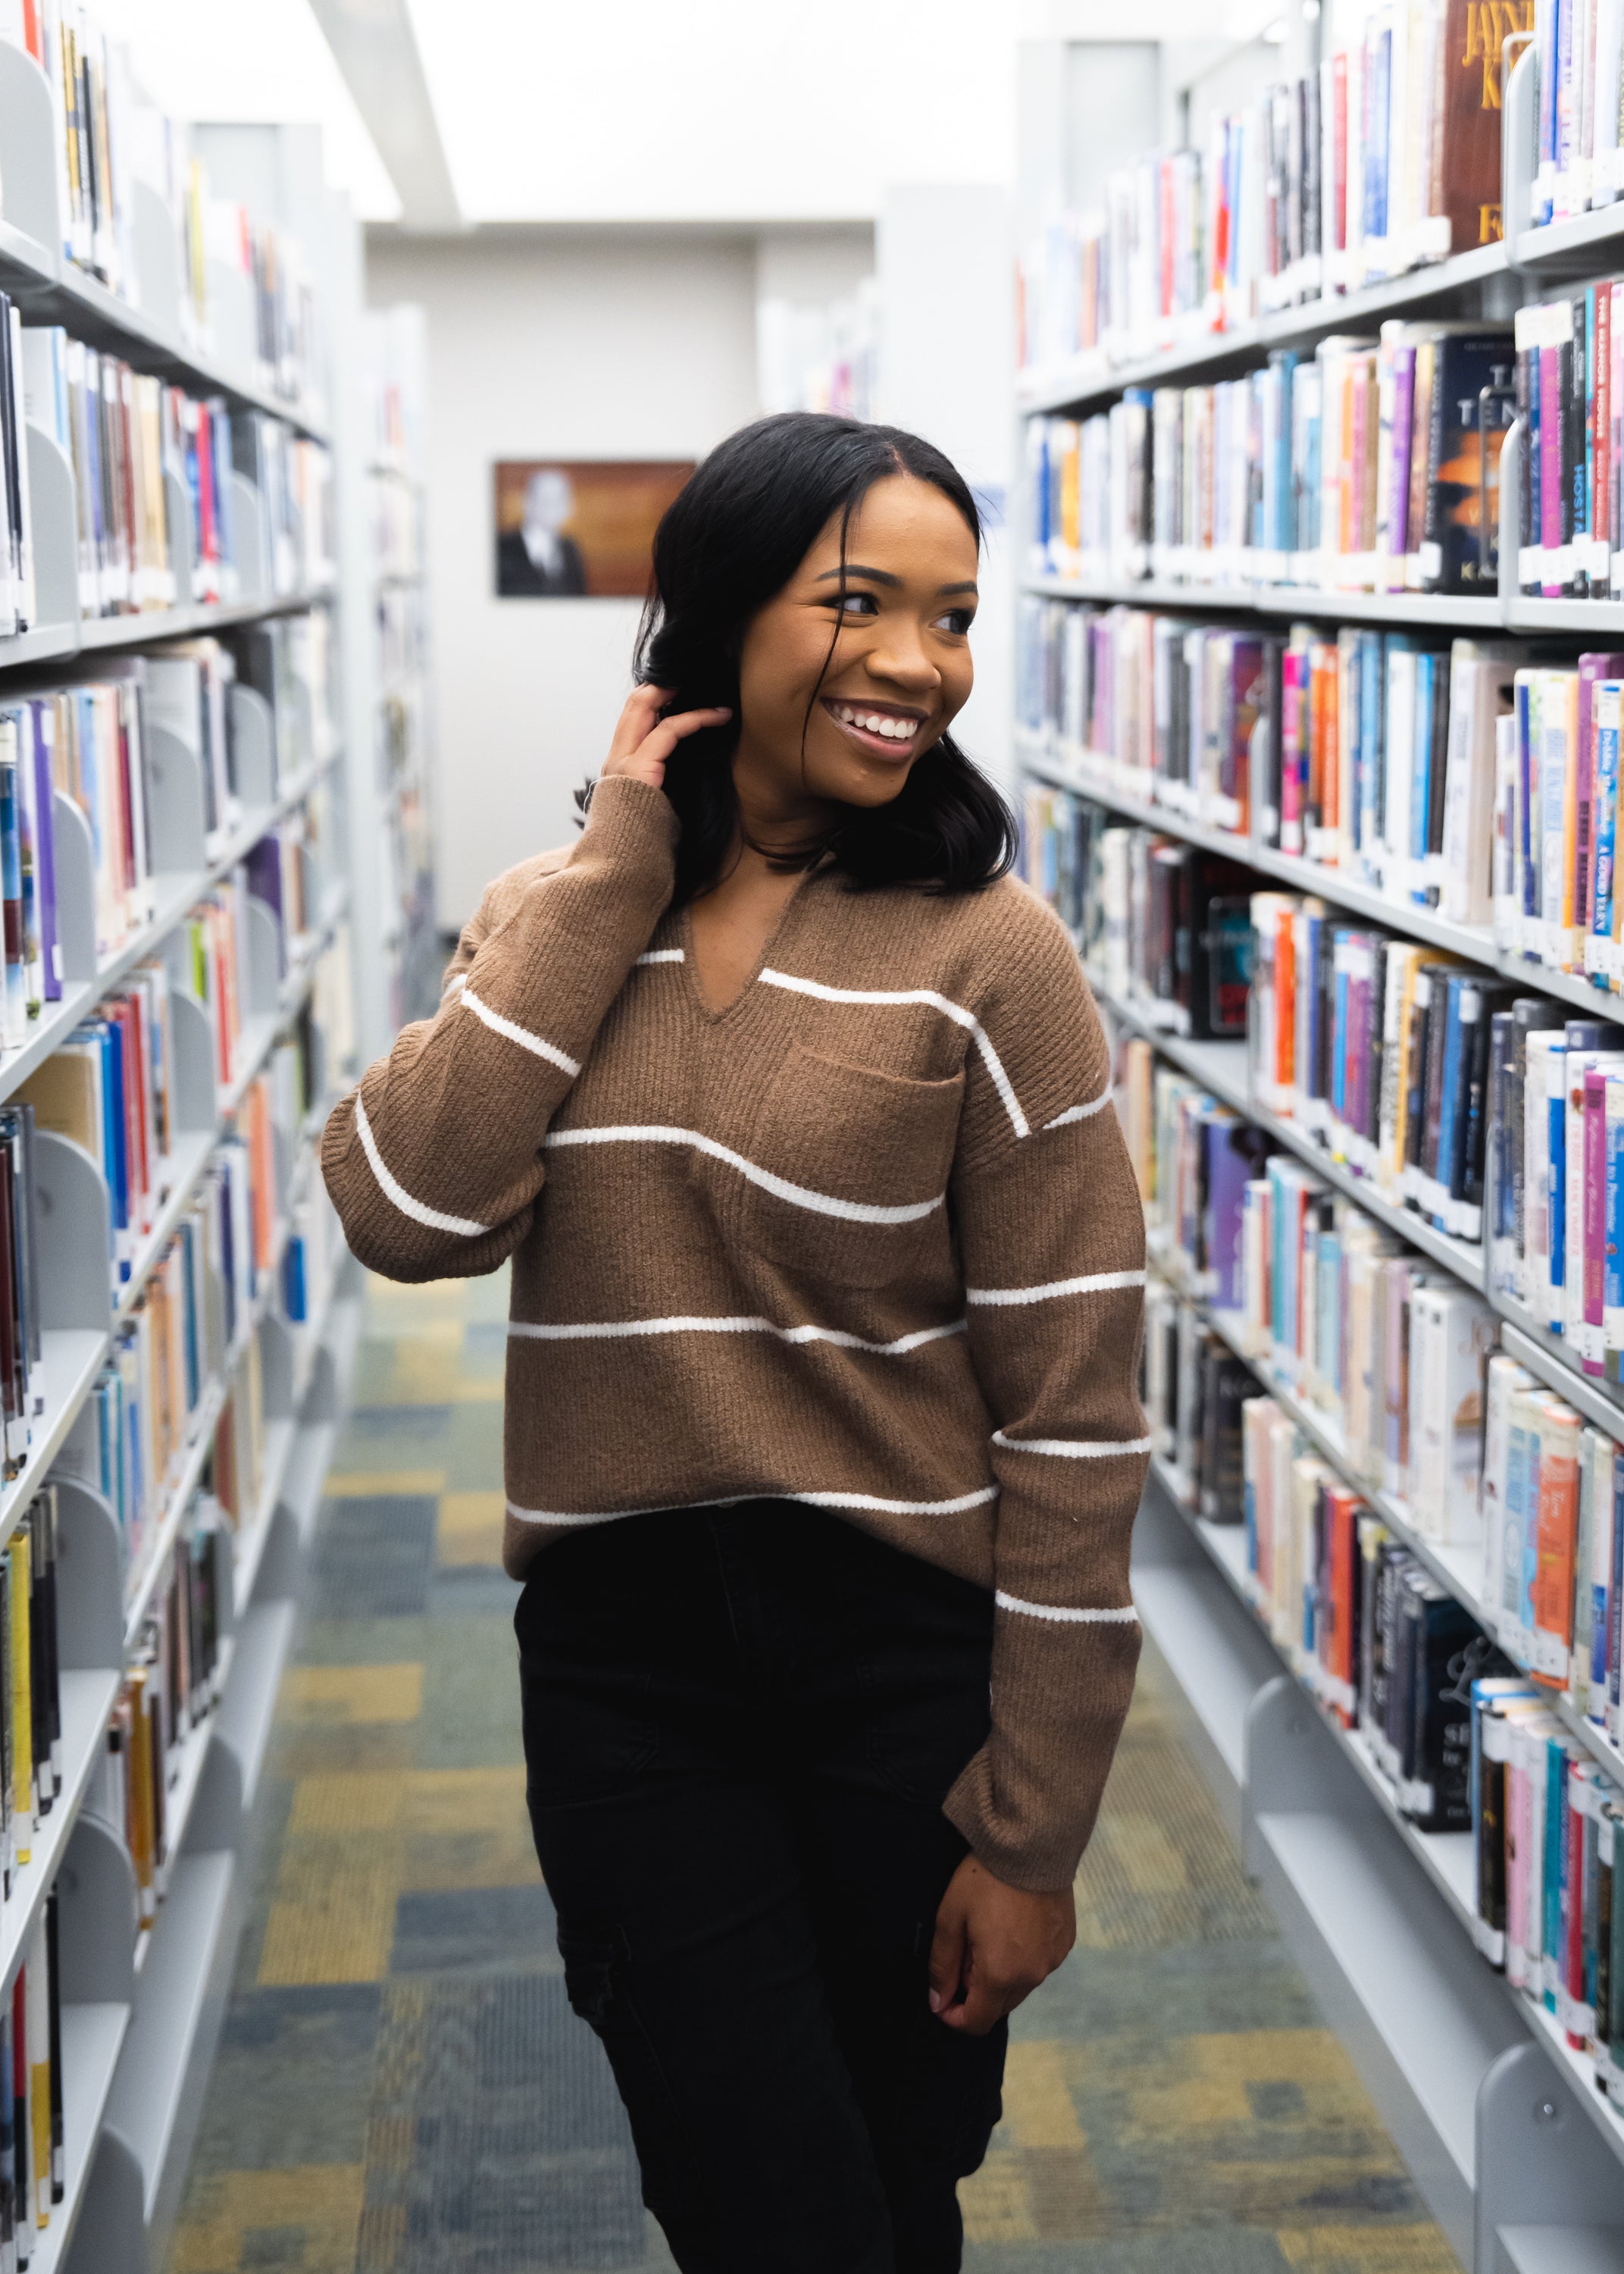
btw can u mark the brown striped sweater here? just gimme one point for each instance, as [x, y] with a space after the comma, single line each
[869, 1238]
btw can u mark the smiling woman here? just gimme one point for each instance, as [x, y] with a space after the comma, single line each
[792, 1110]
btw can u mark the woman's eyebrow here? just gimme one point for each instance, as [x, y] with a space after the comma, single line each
[885, 576]
[855, 568]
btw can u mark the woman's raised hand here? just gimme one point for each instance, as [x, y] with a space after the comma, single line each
[644, 741]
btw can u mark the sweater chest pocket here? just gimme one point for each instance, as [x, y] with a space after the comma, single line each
[846, 1170]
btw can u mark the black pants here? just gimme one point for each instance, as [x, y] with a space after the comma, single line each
[740, 1725]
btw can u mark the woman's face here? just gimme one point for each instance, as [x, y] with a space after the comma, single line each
[899, 672]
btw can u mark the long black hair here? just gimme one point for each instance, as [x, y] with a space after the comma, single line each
[731, 539]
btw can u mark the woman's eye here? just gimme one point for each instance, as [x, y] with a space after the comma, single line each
[856, 603]
[957, 621]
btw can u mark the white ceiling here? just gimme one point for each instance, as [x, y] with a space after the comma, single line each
[715, 109]
[655, 111]
[252, 60]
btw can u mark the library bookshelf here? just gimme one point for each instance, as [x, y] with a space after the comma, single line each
[140, 2009]
[1518, 2156]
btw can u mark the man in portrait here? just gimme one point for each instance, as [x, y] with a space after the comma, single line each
[537, 561]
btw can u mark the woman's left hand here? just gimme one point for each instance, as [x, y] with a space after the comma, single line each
[992, 1945]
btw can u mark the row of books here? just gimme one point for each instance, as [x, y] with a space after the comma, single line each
[17, 602]
[1385, 157]
[90, 742]
[169, 1689]
[1388, 1346]
[1399, 1361]
[132, 1436]
[1471, 780]
[110, 139]
[33, 2167]
[22, 1288]
[1570, 398]
[1547, 1844]
[1161, 925]
[156, 475]
[1379, 754]
[1377, 1047]
[1368, 465]
[111, 1086]
[1555, 1103]
[1465, 1741]
[1380, 1047]
[1579, 163]
[1193, 1389]
[1390, 1653]
[31, 1758]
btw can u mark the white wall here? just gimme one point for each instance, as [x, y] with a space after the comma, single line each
[588, 346]
[947, 366]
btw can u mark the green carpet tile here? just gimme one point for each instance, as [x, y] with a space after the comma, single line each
[402, 2088]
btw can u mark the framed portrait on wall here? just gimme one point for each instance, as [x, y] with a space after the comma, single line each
[579, 527]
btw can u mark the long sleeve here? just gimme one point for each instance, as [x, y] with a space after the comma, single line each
[1052, 1241]
[434, 1162]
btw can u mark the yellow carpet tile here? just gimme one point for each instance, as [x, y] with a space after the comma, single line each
[348, 1694]
[319, 2205]
[1367, 2250]
[365, 1484]
[470, 1530]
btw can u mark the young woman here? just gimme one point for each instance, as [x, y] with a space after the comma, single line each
[823, 1448]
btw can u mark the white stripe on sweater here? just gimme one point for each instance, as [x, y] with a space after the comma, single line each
[1071, 1448]
[820, 1203]
[1078, 1112]
[927, 995]
[1093, 1283]
[809, 1499]
[611, 1329]
[519, 1034]
[402, 1198]
[662, 955]
[1127, 1616]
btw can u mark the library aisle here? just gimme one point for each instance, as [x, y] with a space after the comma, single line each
[402, 2089]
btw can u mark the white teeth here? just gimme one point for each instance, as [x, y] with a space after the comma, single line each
[875, 722]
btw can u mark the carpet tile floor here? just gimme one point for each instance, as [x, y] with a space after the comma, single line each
[402, 2088]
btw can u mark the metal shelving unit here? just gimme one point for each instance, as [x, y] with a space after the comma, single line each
[142, 2013]
[1518, 2157]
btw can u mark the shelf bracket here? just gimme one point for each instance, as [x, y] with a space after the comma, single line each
[1540, 2160]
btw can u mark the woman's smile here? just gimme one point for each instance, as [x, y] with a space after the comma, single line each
[883, 730]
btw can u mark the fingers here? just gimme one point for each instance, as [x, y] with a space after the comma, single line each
[947, 1956]
[644, 741]
[641, 710]
[666, 736]
[986, 1995]
[980, 2009]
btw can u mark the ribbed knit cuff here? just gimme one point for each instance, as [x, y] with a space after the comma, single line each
[1027, 1802]
[629, 821]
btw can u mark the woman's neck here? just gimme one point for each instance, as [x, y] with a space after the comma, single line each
[778, 822]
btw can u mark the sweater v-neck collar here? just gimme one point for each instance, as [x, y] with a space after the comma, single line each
[712, 1017]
